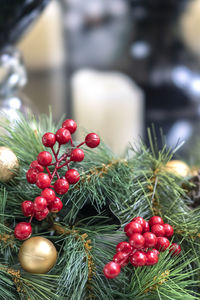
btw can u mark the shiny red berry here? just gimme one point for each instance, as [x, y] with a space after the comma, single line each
[31, 176]
[169, 231]
[138, 259]
[61, 186]
[162, 244]
[63, 136]
[111, 270]
[27, 208]
[49, 139]
[41, 215]
[151, 258]
[124, 247]
[72, 176]
[121, 258]
[158, 230]
[23, 230]
[40, 203]
[44, 158]
[92, 140]
[146, 227]
[137, 240]
[49, 195]
[70, 125]
[77, 155]
[155, 220]
[156, 251]
[139, 220]
[175, 249]
[43, 181]
[56, 205]
[150, 239]
[132, 228]
[35, 165]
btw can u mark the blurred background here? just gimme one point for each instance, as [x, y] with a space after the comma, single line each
[115, 66]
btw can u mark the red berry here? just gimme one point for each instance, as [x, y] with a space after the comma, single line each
[150, 239]
[37, 166]
[70, 125]
[151, 258]
[44, 158]
[27, 208]
[63, 136]
[72, 176]
[40, 203]
[146, 227]
[175, 249]
[92, 140]
[23, 230]
[136, 240]
[169, 231]
[49, 195]
[155, 220]
[132, 228]
[49, 139]
[124, 247]
[43, 181]
[111, 270]
[138, 259]
[162, 244]
[56, 205]
[156, 251]
[61, 186]
[139, 220]
[77, 155]
[121, 258]
[31, 176]
[41, 215]
[158, 230]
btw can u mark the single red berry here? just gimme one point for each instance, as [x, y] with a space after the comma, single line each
[72, 176]
[49, 139]
[136, 240]
[56, 205]
[44, 158]
[49, 195]
[155, 220]
[158, 230]
[63, 136]
[132, 228]
[146, 227]
[27, 208]
[37, 166]
[41, 215]
[150, 239]
[31, 175]
[156, 251]
[175, 249]
[169, 231]
[43, 181]
[70, 125]
[138, 259]
[77, 155]
[162, 244]
[40, 203]
[92, 140]
[111, 270]
[151, 258]
[139, 220]
[23, 230]
[121, 258]
[61, 186]
[124, 247]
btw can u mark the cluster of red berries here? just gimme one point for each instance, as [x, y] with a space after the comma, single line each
[48, 201]
[142, 236]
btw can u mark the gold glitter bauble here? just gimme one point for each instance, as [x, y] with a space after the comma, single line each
[37, 255]
[9, 164]
[177, 167]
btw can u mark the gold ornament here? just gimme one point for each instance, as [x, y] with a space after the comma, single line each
[37, 255]
[9, 164]
[178, 168]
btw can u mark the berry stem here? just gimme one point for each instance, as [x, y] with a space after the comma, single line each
[80, 144]
[65, 164]
[49, 173]
[54, 153]
[31, 218]
[71, 143]
[58, 151]
[58, 176]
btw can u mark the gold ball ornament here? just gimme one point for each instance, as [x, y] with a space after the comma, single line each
[9, 164]
[37, 255]
[177, 167]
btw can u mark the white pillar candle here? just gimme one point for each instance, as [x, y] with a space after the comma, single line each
[110, 104]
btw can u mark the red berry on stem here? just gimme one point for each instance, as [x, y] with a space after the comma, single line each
[49, 139]
[136, 240]
[27, 208]
[169, 231]
[92, 140]
[155, 220]
[22, 230]
[132, 228]
[175, 249]
[37, 166]
[61, 186]
[156, 251]
[63, 136]
[44, 158]
[41, 215]
[56, 205]
[146, 227]
[158, 230]
[40, 203]
[49, 195]
[70, 125]
[162, 244]
[138, 259]
[151, 258]
[77, 155]
[43, 181]
[31, 175]
[72, 176]
[111, 270]
[124, 247]
[139, 220]
[150, 239]
[121, 258]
